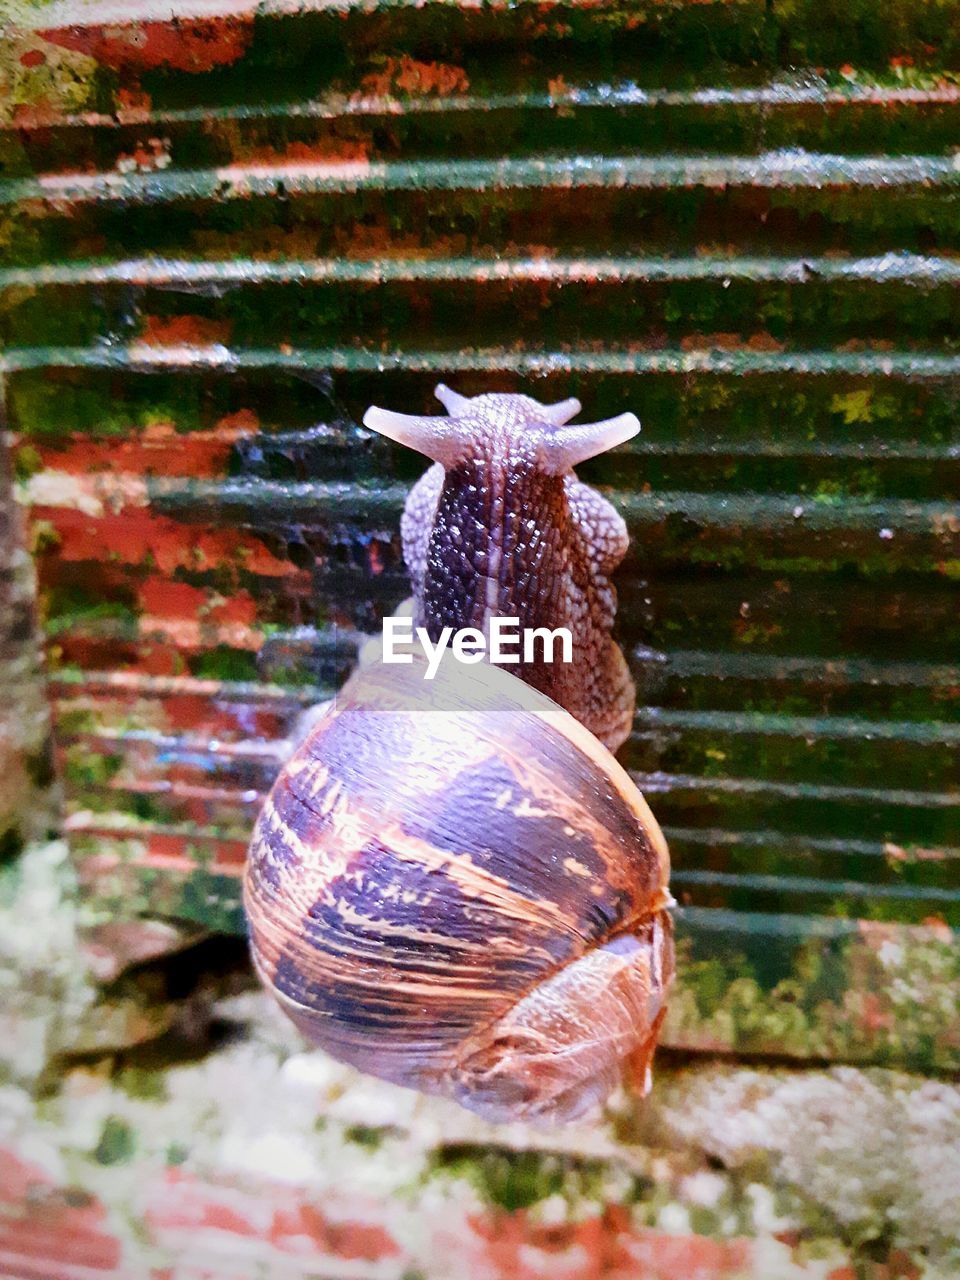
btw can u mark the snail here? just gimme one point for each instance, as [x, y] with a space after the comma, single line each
[453, 884]
[500, 525]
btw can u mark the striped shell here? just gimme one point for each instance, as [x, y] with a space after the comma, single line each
[454, 886]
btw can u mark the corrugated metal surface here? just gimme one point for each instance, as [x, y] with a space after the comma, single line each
[740, 220]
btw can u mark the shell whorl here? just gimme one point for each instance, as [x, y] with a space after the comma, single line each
[431, 855]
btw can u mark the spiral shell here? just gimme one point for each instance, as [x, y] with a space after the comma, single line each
[454, 886]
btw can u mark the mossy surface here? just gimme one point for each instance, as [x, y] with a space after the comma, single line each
[798, 1162]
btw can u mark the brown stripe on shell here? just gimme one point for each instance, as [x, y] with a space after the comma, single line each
[495, 694]
[296, 849]
[619, 855]
[591, 747]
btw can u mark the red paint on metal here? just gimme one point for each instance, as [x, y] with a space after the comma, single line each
[158, 449]
[133, 105]
[607, 1245]
[131, 535]
[155, 659]
[197, 714]
[324, 151]
[173, 853]
[40, 114]
[284, 1221]
[193, 46]
[658, 1256]
[163, 598]
[98, 653]
[184, 330]
[49, 1230]
[873, 1017]
[418, 79]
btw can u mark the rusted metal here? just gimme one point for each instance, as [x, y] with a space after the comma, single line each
[26, 774]
[649, 206]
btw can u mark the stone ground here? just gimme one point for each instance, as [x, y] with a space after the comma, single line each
[159, 1118]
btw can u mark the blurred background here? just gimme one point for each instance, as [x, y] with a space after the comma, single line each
[225, 230]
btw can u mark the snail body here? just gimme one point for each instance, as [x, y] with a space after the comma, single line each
[500, 526]
[462, 891]
[453, 885]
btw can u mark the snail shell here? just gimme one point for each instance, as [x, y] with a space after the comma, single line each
[454, 886]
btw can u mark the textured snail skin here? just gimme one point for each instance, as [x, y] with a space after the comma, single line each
[454, 886]
[501, 527]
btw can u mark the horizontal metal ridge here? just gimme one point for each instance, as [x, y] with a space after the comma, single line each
[797, 844]
[919, 732]
[804, 884]
[144, 357]
[660, 783]
[176, 789]
[653, 784]
[769, 924]
[646, 720]
[274, 750]
[795, 927]
[901, 267]
[29, 16]
[875, 450]
[124, 826]
[681, 662]
[75, 685]
[687, 445]
[120, 823]
[811, 91]
[756, 666]
[888, 516]
[785, 168]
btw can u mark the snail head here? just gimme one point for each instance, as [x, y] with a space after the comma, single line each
[499, 426]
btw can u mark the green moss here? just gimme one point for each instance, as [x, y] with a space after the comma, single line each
[44, 537]
[117, 1143]
[875, 996]
[43, 407]
[143, 1083]
[224, 663]
[76, 720]
[513, 1180]
[39, 767]
[26, 462]
[144, 807]
[84, 768]
[828, 493]
[209, 899]
[11, 844]
[856, 406]
[65, 606]
[46, 407]
[370, 1136]
[62, 76]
